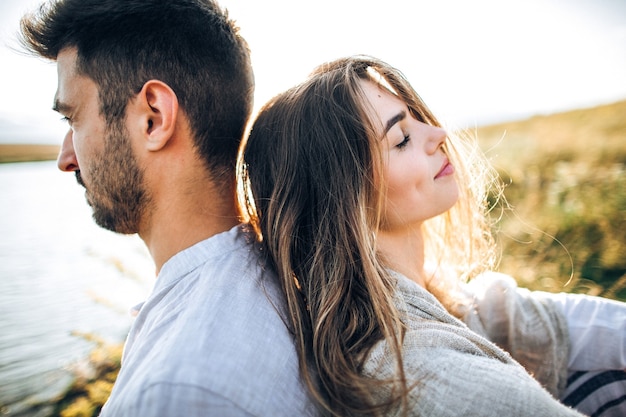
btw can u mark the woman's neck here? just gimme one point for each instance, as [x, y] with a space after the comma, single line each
[403, 251]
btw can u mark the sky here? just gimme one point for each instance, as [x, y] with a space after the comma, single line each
[473, 62]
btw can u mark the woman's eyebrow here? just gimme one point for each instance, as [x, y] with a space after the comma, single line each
[395, 119]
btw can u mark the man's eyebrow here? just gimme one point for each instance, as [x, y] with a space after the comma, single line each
[60, 107]
[395, 119]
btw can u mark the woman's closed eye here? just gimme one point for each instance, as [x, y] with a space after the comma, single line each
[404, 143]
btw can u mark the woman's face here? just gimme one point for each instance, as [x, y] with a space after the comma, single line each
[420, 179]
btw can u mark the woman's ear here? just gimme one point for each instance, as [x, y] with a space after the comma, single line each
[160, 110]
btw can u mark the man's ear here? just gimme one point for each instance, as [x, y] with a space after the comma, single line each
[160, 111]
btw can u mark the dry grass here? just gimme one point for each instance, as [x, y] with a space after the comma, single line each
[566, 181]
[27, 152]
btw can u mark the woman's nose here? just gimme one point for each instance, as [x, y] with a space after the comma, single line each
[67, 158]
[436, 137]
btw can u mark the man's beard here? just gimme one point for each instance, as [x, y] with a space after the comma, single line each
[116, 189]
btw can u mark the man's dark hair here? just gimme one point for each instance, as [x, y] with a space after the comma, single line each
[191, 45]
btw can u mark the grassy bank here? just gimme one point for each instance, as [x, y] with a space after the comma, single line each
[27, 152]
[93, 382]
[566, 183]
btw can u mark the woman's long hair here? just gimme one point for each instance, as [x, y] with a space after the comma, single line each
[311, 185]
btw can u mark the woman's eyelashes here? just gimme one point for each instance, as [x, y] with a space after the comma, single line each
[404, 142]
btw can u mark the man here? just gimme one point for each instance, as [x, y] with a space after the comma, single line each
[157, 94]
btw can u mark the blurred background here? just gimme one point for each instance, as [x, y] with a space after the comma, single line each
[540, 82]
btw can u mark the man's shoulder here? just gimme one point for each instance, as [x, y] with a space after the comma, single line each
[229, 305]
[238, 364]
[234, 249]
[217, 277]
[218, 329]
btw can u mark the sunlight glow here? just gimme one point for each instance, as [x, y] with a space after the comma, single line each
[472, 62]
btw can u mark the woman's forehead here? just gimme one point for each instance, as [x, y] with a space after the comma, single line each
[382, 105]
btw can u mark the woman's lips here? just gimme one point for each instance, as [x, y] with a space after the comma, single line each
[446, 169]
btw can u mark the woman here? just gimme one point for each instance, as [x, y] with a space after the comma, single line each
[353, 189]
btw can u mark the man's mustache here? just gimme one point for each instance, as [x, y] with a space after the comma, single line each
[79, 179]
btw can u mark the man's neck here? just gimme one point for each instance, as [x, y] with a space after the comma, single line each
[172, 231]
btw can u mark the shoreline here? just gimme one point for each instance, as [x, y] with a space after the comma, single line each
[10, 153]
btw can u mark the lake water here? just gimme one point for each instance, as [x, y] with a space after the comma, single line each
[60, 275]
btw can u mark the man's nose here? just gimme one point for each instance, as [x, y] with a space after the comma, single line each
[67, 161]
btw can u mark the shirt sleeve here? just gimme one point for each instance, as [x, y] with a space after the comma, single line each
[597, 329]
[528, 325]
[446, 381]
